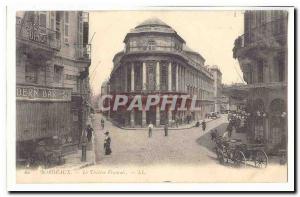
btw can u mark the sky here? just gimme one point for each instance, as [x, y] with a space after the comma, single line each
[210, 33]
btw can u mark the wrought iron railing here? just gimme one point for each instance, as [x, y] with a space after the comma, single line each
[171, 49]
[29, 31]
[83, 52]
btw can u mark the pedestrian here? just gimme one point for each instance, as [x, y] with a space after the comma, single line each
[214, 134]
[107, 142]
[166, 129]
[150, 127]
[229, 129]
[203, 125]
[102, 123]
[89, 132]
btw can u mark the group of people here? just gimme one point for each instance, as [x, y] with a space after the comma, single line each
[203, 124]
[150, 128]
[107, 140]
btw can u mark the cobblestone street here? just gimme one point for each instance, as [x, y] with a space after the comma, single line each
[135, 147]
[142, 159]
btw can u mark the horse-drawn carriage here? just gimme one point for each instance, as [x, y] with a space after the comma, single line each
[240, 154]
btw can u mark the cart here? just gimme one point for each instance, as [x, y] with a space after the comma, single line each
[240, 154]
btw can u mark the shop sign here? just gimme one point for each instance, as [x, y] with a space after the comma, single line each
[43, 93]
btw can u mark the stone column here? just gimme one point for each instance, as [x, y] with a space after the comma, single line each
[143, 117]
[132, 77]
[157, 110]
[157, 76]
[144, 76]
[182, 80]
[125, 77]
[176, 80]
[132, 123]
[170, 77]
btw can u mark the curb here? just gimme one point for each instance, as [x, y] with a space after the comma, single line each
[170, 128]
[85, 165]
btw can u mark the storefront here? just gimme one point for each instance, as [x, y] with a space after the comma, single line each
[42, 113]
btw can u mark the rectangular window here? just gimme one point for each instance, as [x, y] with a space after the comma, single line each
[260, 71]
[57, 24]
[150, 76]
[138, 72]
[281, 67]
[66, 30]
[66, 27]
[66, 17]
[43, 19]
[52, 20]
[58, 74]
[174, 77]
[31, 73]
[163, 76]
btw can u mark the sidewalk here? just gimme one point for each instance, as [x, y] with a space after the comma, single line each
[73, 161]
[180, 127]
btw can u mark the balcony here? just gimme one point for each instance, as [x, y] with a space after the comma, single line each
[27, 31]
[83, 52]
[270, 35]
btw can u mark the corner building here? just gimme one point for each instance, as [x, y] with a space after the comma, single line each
[262, 55]
[52, 78]
[157, 61]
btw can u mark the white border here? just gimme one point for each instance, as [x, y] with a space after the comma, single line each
[90, 5]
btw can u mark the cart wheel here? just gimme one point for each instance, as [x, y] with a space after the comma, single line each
[261, 159]
[221, 157]
[239, 159]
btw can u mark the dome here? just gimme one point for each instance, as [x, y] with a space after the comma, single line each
[153, 22]
[153, 25]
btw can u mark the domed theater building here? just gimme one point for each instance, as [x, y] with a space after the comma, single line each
[157, 61]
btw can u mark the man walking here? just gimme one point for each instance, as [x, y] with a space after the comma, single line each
[89, 132]
[166, 129]
[150, 127]
[203, 125]
[102, 123]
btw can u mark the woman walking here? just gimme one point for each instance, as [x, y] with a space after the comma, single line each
[107, 142]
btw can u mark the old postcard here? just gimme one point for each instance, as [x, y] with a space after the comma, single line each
[151, 96]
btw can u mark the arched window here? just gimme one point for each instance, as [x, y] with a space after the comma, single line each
[277, 122]
[151, 45]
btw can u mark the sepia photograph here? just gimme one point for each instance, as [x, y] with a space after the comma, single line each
[152, 96]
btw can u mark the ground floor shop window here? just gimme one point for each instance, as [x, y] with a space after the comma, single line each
[163, 117]
[138, 118]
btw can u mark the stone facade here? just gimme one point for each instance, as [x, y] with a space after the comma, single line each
[217, 88]
[262, 54]
[156, 60]
[52, 54]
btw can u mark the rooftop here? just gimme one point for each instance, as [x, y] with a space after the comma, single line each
[153, 22]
